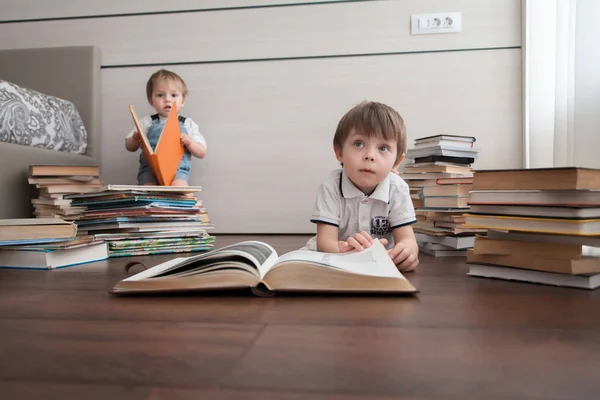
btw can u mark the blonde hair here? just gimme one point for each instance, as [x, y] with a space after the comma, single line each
[163, 74]
[373, 119]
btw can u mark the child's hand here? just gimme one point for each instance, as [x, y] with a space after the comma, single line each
[359, 241]
[404, 257]
[137, 137]
[186, 140]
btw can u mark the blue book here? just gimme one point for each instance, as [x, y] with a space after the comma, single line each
[51, 257]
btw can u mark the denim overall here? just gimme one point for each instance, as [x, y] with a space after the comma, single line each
[145, 174]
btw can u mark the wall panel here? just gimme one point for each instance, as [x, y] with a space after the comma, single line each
[317, 30]
[46, 9]
[269, 84]
[269, 125]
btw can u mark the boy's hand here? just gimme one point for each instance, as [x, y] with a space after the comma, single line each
[137, 137]
[186, 140]
[359, 241]
[133, 142]
[404, 257]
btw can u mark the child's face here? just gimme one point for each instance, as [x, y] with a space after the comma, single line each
[367, 159]
[164, 93]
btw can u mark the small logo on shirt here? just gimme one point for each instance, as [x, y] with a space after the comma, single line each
[380, 226]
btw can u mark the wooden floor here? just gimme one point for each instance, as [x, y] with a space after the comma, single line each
[63, 336]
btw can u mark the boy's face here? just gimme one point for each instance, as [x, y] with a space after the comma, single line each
[367, 159]
[164, 93]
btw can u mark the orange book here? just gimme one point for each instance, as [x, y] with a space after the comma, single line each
[164, 160]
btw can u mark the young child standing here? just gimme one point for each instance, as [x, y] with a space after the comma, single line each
[163, 89]
[365, 199]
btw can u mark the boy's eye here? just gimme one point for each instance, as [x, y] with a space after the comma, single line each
[385, 147]
[358, 143]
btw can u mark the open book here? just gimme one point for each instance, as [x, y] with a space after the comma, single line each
[256, 265]
[165, 159]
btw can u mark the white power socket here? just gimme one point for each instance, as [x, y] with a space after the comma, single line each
[425, 24]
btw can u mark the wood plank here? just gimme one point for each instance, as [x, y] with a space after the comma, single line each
[460, 338]
[151, 353]
[60, 390]
[312, 30]
[434, 363]
[448, 299]
[35, 9]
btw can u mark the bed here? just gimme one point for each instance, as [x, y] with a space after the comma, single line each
[69, 73]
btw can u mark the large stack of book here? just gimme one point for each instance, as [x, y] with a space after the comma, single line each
[140, 220]
[543, 226]
[439, 175]
[46, 243]
[134, 220]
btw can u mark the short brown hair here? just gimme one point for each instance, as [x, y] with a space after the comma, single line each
[373, 119]
[163, 74]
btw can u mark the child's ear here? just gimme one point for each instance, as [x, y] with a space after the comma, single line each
[399, 161]
[338, 153]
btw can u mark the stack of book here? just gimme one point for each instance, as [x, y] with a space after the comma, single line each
[46, 243]
[140, 220]
[440, 177]
[54, 182]
[132, 219]
[543, 225]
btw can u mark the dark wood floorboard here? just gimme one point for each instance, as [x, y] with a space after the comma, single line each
[62, 391]
[62, 335]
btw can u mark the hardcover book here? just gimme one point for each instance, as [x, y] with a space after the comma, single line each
[256, 265]
[165, 158]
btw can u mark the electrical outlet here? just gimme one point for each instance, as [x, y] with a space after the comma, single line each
[424, 24]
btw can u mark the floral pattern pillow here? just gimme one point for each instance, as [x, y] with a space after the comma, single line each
[31, 118]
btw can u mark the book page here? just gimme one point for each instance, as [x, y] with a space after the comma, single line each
[169, 150]
[373, 261]
[33, 221]
[157, 269]
[253, 253]
[590, 251]
[145, 143]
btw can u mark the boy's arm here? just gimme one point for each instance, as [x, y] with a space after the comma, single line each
[195, 148]
[194, 141]
[327, 238]
[405, 253]
[132, 142]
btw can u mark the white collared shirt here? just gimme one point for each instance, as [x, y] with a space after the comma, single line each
[340, 203]
[190, 126]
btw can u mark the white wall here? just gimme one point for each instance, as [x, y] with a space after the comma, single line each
[540, 76]
[269, 84]
[587, 85]
[562, 83]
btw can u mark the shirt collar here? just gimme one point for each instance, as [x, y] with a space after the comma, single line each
[381, 192]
